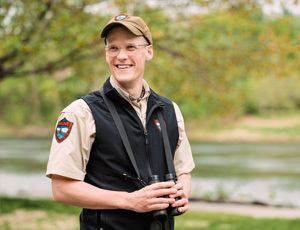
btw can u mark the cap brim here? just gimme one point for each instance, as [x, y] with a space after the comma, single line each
[130, 27]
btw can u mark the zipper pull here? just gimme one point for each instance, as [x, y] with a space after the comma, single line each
[146, 135]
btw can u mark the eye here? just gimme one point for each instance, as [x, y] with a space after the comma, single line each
[131, 48]
[113, 48]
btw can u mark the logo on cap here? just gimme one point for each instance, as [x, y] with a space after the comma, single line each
[63, 130]
[121, 17]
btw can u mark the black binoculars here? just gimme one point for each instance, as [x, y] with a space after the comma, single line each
[162, 218]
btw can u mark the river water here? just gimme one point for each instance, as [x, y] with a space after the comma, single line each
[267, 173]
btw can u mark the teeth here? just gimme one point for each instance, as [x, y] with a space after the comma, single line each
[123, 66]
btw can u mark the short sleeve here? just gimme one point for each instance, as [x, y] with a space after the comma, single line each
[70, 148]
[183, 158]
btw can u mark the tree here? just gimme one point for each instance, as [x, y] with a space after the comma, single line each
[44, 36]
[204, 61]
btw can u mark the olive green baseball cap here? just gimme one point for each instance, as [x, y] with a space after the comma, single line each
[133, 23]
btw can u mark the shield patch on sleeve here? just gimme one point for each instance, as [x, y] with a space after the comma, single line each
[63, 130]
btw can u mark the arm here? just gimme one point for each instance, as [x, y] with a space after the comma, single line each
[184, 164]
[82, 194]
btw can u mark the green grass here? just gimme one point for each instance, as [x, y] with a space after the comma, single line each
[57, 214]
[24, 165]
[292, 131]
[9, 205]
[218, 221]
[238, 171]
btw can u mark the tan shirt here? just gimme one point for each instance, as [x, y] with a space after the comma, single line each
[70, 157]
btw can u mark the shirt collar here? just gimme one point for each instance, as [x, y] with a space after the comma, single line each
[126, 95]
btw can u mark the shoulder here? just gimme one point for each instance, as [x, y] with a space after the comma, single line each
[77, 108]
[178, 112]
[167, 101]
[91, 97]
[161, 98]
[176, 108]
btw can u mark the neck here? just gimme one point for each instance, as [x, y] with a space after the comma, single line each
[134, 89]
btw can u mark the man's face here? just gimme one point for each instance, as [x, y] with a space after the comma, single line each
[127, 69]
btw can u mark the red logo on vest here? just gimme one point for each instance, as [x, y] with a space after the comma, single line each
[158, 126]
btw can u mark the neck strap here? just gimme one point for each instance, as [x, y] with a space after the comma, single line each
[124, 137]
[167, 147]
[121, 129]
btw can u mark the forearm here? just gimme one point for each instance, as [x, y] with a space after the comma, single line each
[84, 195]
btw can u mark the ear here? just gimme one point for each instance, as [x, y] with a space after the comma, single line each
[149, 54]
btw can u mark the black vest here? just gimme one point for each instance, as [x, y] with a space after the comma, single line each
[109, 160]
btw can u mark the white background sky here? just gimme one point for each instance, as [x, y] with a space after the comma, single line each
[274, 8]
[277, 9]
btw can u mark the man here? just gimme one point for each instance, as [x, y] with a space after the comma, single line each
[88, 163]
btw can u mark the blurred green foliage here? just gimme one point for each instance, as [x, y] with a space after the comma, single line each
[231, 61]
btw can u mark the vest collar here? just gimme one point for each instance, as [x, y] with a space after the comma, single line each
[113, 93]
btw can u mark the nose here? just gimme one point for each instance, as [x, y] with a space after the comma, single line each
[122, 54]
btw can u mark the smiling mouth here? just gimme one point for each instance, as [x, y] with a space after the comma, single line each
[123, 66]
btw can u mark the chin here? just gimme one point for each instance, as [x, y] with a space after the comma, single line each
[123, 78]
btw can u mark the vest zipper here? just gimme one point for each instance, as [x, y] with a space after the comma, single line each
[158, 105]
[147, 153]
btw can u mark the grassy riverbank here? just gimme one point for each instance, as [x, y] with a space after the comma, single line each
[21, 214]
[24, 214]
[268, 128]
